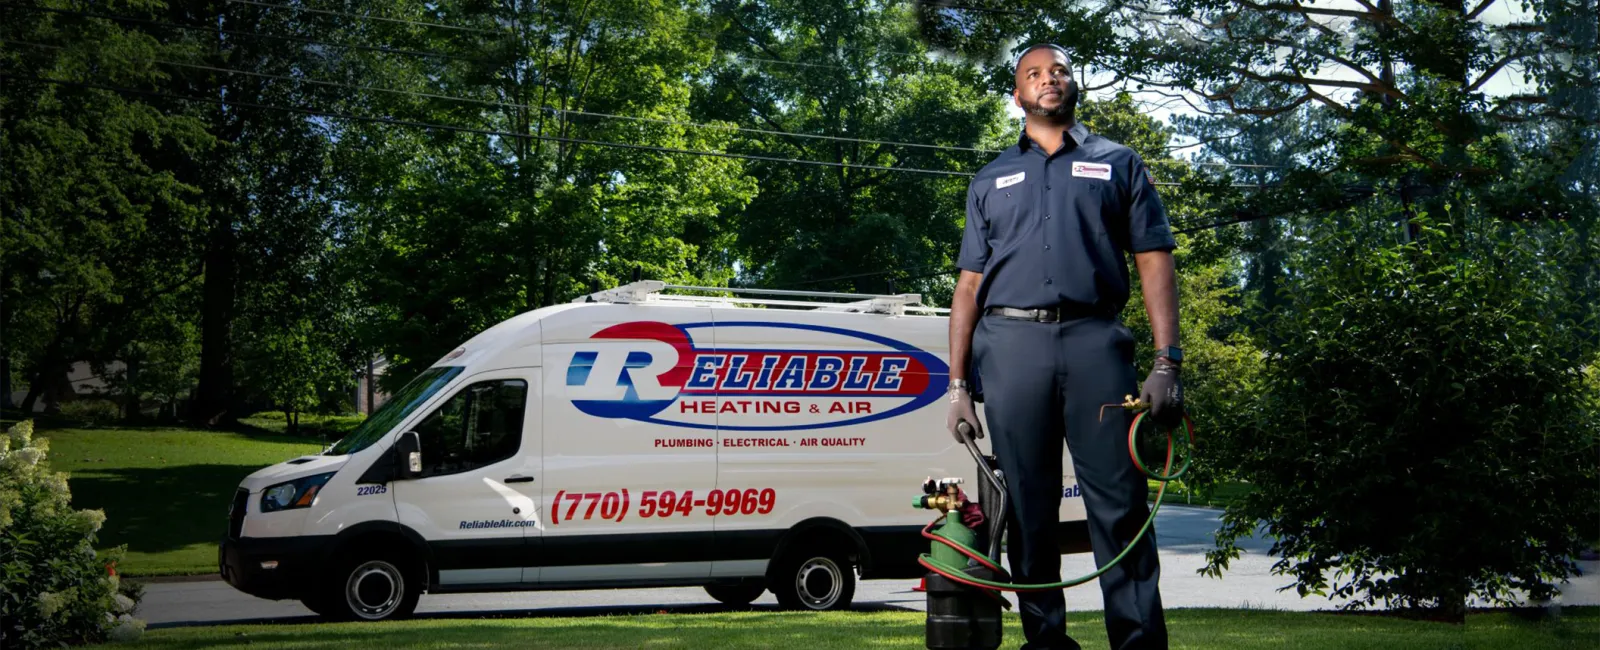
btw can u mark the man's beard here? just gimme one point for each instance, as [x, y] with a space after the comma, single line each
[1069, 101]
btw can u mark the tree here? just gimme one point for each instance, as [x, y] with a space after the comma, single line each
[849, 70]
[99, 228]
[1426, 433]
[1406, 82]
[449, 232]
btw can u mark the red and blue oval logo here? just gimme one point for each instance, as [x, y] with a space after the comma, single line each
[661, 373]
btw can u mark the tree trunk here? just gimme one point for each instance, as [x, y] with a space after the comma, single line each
[5, 379]
[215, 390]
[131, 406]
[59, 389]
[39, 384]
[32, 397]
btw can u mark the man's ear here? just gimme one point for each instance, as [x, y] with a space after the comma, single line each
[1016, 99]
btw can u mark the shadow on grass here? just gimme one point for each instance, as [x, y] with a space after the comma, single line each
[157, 509]
[678, 627]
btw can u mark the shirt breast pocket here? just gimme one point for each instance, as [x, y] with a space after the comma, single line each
[1101, 203]
[1004, 209]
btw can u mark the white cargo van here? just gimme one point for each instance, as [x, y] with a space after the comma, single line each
[641, 436]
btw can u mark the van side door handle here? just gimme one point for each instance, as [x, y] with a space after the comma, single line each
[520, 479]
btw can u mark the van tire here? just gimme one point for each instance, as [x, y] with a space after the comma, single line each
[736, 595]
[380, 587]
[813, 577]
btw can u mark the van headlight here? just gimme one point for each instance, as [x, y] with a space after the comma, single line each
[299, 493]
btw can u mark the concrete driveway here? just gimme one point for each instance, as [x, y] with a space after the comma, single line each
[1184, 535]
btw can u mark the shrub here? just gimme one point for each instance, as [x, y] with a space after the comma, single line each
[91, 411]
[55, 588]
[1427, 433]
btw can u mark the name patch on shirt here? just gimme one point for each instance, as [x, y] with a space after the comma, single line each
[1008, 181]
[1091, 170]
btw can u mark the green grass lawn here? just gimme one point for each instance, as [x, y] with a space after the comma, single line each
[165, 491]
[1220, 497]
[1196, 629]
[322, 427]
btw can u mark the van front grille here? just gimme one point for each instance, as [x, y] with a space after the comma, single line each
[241, 501]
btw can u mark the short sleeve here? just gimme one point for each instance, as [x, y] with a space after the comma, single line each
[1148, 229]
[974, 254]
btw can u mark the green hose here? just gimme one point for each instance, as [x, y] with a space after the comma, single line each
[959, 574]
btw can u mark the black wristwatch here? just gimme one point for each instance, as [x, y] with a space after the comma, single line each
[1172, 353]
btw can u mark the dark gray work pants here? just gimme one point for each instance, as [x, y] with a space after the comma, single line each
[1042, 383]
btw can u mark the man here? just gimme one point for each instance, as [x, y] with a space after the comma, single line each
[1044, 278]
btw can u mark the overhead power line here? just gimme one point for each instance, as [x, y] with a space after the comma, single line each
[486, 102]
[507, 134]
[429, 53]
[489, 132]
[233, 32]
[489, 102]
[330, 12]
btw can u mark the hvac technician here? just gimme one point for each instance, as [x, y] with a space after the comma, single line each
[1044, 277]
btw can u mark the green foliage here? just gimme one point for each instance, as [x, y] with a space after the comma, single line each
[98, 233]
[91, 411]
[55, 589]
[848, 69]
[445, 234]
[1426, 433]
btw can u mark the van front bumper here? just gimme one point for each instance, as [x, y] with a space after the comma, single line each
[275, 568]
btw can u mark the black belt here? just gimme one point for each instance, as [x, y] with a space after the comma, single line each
[1054, 314]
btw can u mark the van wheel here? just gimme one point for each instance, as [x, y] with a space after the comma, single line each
[818, 579]
[736, 595]
[370, 589]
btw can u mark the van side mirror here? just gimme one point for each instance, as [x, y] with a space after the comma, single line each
[408, 456]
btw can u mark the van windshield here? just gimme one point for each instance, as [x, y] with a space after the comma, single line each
[396, 409]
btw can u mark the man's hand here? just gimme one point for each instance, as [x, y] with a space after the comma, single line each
[1163, 391]
[961, 409]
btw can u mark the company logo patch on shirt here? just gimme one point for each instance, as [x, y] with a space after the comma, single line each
[1008, 181]
[1091, 170]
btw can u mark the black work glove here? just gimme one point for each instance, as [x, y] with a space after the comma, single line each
[1163, 391]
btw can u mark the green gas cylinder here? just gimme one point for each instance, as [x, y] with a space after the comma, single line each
[953, 530]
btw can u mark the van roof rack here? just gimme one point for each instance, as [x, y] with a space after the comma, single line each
[652, 291]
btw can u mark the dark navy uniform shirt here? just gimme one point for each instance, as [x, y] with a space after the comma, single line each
[1055, 229]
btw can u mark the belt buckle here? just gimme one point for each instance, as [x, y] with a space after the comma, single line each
[1050, 314]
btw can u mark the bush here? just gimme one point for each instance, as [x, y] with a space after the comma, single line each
[54, 588]
[91, 411]
[1427, 433]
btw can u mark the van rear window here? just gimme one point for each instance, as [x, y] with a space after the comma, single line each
[401, 404]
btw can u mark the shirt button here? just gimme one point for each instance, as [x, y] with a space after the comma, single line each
[1048, 281]
[1047, 247]
[1047, 217]
[1047, 188]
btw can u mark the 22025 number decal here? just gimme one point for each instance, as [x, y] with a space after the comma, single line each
[364, 490]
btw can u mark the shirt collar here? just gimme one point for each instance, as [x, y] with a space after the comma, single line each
[1078, 134]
